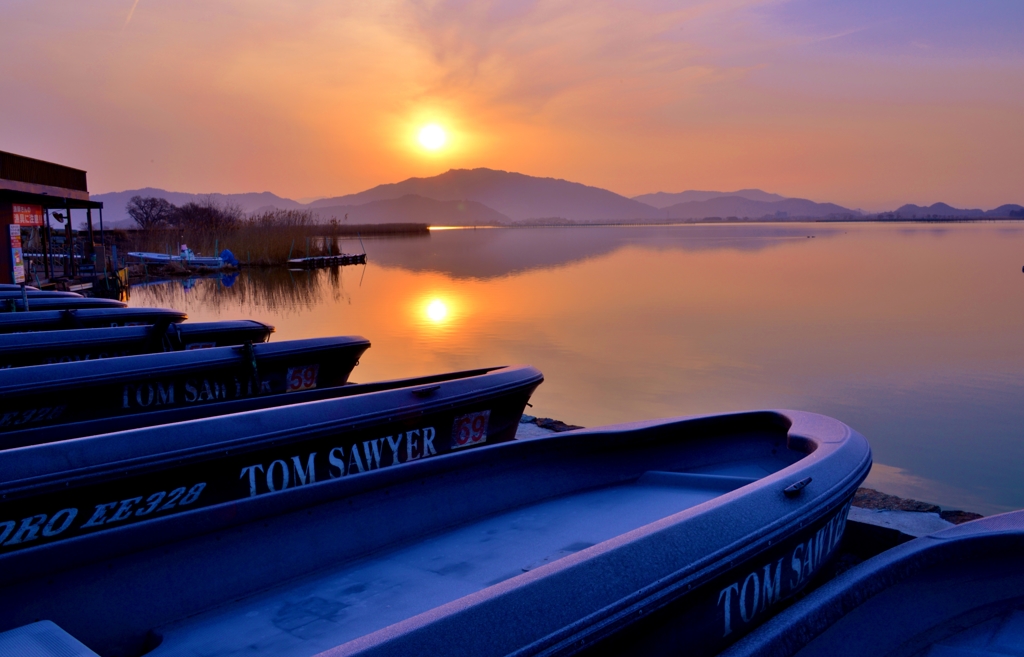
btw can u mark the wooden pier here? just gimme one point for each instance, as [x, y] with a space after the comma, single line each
[316, 262]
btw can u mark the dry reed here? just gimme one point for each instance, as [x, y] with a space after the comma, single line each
[262, 239]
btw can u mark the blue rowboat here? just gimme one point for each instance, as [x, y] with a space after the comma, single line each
[59, 393]
[652, 538]
[26, 349]
[956, 593]
[187, 258]
[70, 430]
[239, 457]
[38, 294]
[57, 303]
[53, 320]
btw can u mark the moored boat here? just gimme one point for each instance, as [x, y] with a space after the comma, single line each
[54, 320]
[57, 303]
[53, 433]
[188, 258]
[58, 393]
[38, 294]
[956, 593]
[661, 536]
[237, 457]
[26, 349]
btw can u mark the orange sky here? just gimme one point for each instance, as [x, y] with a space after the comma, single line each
[869, 106]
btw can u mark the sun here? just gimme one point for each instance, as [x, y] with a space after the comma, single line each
[432, 137]
[437, 311]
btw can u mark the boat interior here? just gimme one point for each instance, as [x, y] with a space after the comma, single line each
[309, 615]
[381, 548]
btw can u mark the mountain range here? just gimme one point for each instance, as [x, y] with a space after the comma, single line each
[490, 197]
[943, 211]
[665, 199]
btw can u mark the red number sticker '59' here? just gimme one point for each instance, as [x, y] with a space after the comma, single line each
[301, 378]
[470, 429]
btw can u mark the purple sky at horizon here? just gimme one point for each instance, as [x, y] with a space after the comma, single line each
[869, 104]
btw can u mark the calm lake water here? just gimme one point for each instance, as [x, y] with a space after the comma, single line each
[913, 334]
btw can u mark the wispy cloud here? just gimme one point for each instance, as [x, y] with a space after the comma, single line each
[131, 12]
[821, 98]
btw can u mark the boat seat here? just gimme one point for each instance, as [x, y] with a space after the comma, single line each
[724, 483]
[42, 639]
[998, 637]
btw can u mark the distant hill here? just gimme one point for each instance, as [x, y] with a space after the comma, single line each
[1010, 210]
[517, 196]
[911, 211]
[665, 199]
[415, 209]
[114, 215]
[737, 206]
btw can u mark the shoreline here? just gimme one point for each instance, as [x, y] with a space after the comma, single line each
[718, 221]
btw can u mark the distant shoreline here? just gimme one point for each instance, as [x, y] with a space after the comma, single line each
[733, 222]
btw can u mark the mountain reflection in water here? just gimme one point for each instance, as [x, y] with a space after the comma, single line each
[910, 333]
[493, 252]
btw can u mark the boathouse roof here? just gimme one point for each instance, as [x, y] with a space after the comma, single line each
[28, 180]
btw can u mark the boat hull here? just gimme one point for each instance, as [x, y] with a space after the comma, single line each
[958, 591]
[38, 294]
[60, 393]
[463, 535]
[192, 465]
[27, 349]
[58, 320]
[71, 430]
[58, 303]
[164, 259]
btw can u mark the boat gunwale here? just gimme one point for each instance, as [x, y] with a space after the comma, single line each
[59, 337]
[25, 437]
[134, 366]
[59, 316]
[670, 587]
[66, 303]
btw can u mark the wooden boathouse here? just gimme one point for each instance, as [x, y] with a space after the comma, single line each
[30, 190]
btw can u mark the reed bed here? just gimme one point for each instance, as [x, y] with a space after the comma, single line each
[263, 239]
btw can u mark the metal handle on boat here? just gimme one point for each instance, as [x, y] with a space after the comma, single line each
[250, 358]
[426, 391]
[794, 489]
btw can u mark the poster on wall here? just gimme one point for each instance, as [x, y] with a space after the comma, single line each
[28, 215]
[18, 263]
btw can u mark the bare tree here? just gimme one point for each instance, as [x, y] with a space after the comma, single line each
[150, 212]
[207, 215]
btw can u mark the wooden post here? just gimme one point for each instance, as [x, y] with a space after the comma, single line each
[47, 265]
[69, 238]
[103, 241]
[92, 237]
